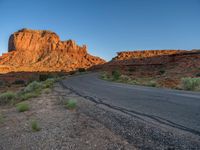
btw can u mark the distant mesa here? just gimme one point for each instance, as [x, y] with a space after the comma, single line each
[124, 55]
[41, 50]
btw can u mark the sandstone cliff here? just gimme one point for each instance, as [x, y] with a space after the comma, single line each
[40, 50]
[125, 55]
[165, 66]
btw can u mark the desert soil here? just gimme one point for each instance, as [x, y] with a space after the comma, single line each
[60, 128]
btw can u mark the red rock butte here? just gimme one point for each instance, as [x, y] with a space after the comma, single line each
[43, 51]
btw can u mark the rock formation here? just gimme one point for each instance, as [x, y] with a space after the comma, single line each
[156, 57]
[166, 66]
[125, 55]
[40, 50]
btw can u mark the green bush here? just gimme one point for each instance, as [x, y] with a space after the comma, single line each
[34, 125]
[116, 74]
[135, 82]
[31, 90]
[33, 86]
[21, 107]
[47, 90]
[191, 83]
[152, 84]
[25, 96]
[105, 76]
[125, 78]
[48, 83]
[71, 104]
[7, 98]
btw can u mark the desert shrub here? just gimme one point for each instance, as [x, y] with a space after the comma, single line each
[21, 107]
[105, 76]
[33, 86]
[34, 125]
[81, 69]
[71, 104]
[125, 78]
[19, 82]
[191, 83]
[116, 74]
[49, 83]
[152, 84]
[7, 98]
[47, 90]
[31, 90]
[135, 82]
[24, 96]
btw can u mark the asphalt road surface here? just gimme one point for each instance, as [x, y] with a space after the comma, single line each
[179, 109]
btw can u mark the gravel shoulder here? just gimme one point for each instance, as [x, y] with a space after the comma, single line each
[92, 126]
[142, 132]
[60, 128]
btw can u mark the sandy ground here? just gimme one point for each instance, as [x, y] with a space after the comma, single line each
[60, 128]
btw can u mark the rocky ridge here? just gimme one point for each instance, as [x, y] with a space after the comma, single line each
[124, 55]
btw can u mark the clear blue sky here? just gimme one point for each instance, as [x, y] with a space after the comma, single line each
[107, 26]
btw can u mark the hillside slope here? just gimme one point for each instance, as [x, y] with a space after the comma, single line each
[166, 67]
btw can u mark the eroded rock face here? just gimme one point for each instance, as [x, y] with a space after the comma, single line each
[125, 55]
[167, 67]
[39, 50]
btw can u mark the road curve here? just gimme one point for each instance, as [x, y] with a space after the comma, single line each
[179, 109]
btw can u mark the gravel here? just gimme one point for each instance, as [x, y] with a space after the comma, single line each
[141, 132]
[60, 128]
[91, 126]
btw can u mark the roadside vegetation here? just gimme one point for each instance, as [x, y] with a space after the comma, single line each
[32, 90]
[188, 83]
[191, 84]
[118, 77]
[7, 98]
[22, 107]
[35, 126]
[70, 104]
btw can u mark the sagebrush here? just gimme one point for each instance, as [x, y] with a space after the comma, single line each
[7, 98]
[192, 84]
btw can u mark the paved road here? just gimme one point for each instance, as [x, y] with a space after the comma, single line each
[180, 109]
